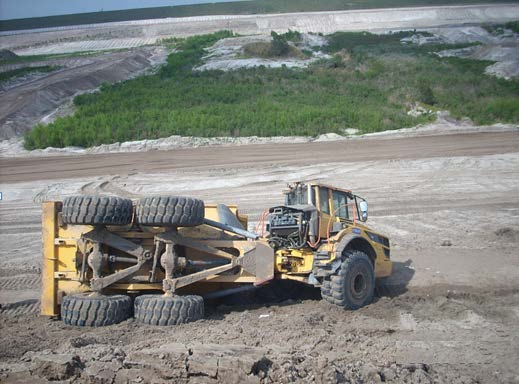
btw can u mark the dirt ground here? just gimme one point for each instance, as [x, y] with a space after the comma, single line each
[449, 313]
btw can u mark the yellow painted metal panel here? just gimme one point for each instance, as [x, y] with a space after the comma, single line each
[49, 305]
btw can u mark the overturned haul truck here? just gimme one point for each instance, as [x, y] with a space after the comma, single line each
[107, 258]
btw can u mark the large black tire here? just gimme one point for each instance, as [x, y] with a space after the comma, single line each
[170, 211]
[92, 210]
[168, 310]
[352, 286]
[94, 310]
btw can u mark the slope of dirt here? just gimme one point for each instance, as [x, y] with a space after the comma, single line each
[325, 22]
[23, 106]
[6, 54]
[449, 313]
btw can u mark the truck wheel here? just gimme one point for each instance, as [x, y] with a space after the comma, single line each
[170, 210]
[353, 284]
[92, 210]
[94, 310]
[168, 310]
[325, 288]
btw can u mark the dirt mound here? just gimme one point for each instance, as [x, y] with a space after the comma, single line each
[6, 54]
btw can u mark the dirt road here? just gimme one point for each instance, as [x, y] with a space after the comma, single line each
[27, 169]
[449, 313]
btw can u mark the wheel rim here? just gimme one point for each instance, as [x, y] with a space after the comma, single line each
[359, 285]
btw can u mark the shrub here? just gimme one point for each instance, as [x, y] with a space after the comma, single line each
[279, 44]
[426, 95]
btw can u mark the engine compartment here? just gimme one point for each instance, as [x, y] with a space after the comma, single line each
[290, 227]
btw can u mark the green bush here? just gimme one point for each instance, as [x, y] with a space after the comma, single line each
[280, 45]
[426, 94]
[513, 26]
[294, 36]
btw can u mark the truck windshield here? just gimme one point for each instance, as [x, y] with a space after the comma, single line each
[297, 196]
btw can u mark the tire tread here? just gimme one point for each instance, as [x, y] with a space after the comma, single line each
[168, 310]
[95, 210]
[170, 211]
[334, 287]
[94, 311]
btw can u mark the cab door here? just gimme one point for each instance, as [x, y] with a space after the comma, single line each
[324, 207]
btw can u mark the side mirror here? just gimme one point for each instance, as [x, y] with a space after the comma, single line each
[363, 205]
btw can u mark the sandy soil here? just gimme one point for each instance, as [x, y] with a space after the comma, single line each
[501, 48]
[228, 54]
[450, 205]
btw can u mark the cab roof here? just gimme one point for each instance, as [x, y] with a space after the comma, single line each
[315, 184]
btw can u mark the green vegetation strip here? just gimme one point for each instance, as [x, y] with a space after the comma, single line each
[228, 8]
[370, 83]
[9, 75]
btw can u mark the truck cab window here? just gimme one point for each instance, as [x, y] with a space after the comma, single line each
[324, 201]
[339, 201]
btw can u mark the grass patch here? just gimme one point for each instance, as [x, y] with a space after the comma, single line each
[369, 84]
[236, 7]
[8, 75]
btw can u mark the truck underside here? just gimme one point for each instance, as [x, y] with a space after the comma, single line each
[166, 253]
